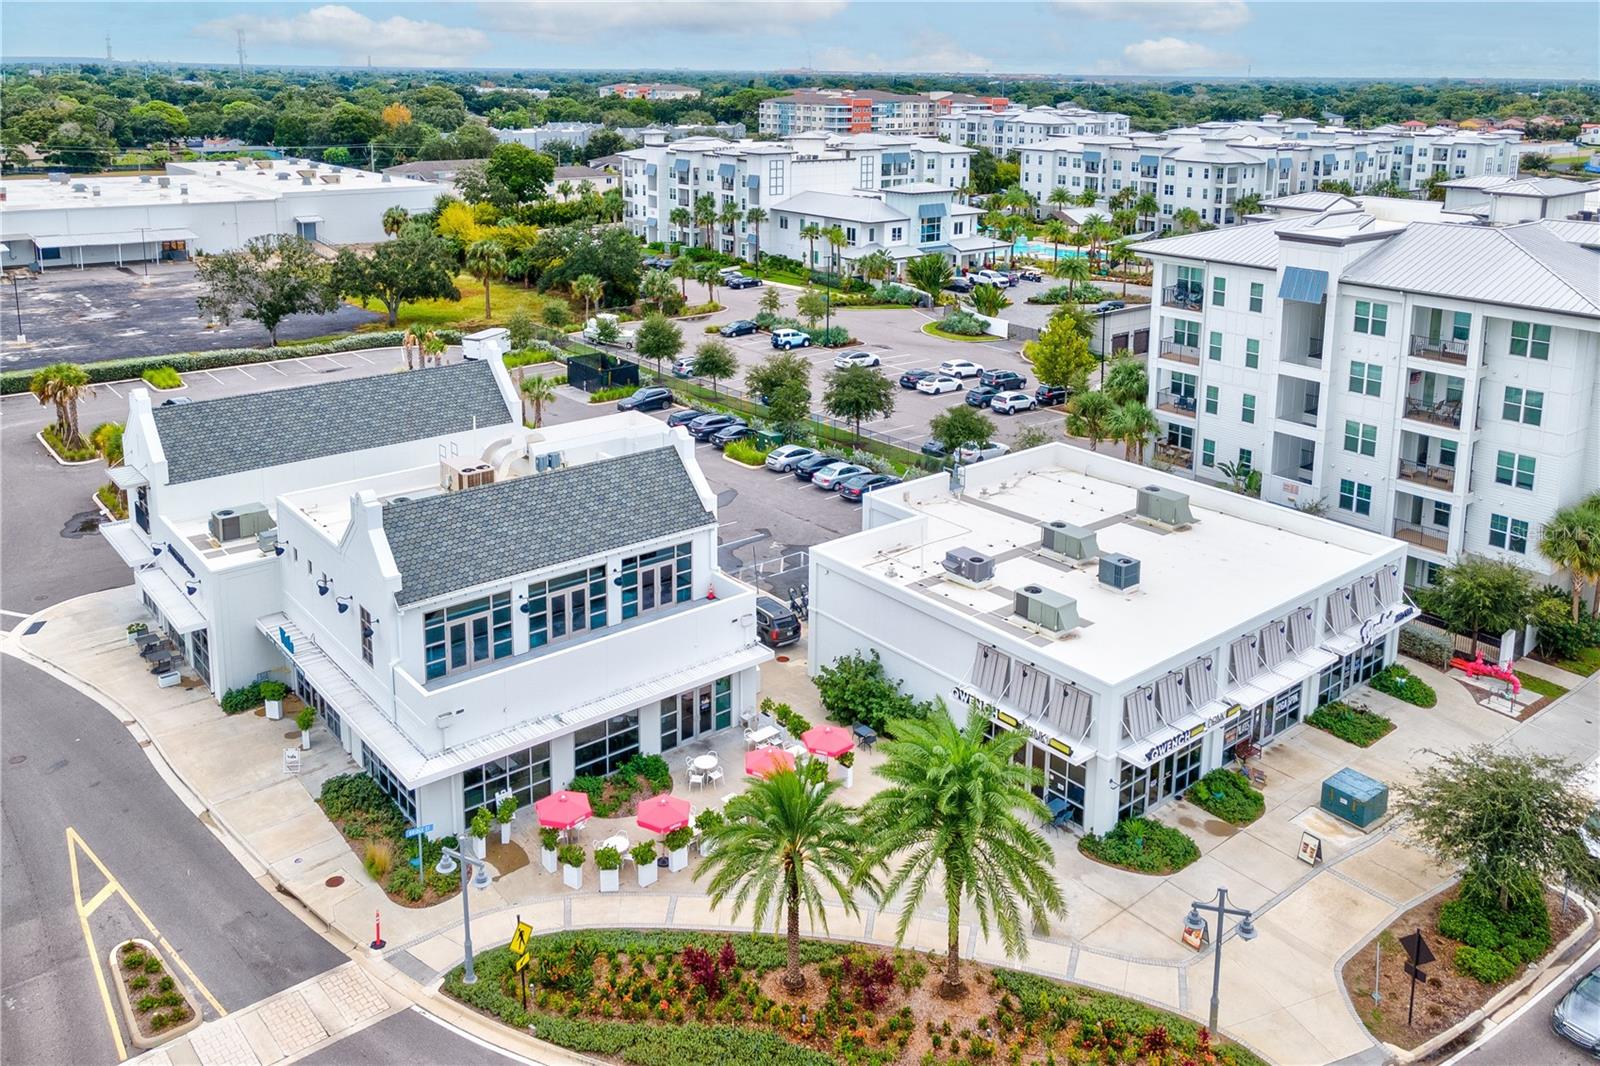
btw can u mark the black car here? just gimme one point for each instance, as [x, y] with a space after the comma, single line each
[741, 281]
[853, 488]
[934, 450]
[1107, 306]
[959, 283]
[807, 467]
[653, 398]
[702, 427]
[728, 434]
[656, 262]
[981, 395]
[684, 417]
[1002, 380]
[1050, 395]
[909, 379]
[739, 327]
[1031, 274]
[776, 625]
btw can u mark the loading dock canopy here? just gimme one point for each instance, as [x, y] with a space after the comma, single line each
[116, 237]
[308, 218]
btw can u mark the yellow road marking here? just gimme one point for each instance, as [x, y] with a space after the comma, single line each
[88, 939]
[99, 897]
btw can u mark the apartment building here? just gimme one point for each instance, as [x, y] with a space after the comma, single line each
[849, 111]
[1427, 378]
[469, 606]
[1003, 130]
[540, 137]
[1058, 592]
[649, 90]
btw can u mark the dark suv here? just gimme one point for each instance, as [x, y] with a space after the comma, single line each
[1002, 380]
[652, 398]
[776, 625]
[1050, 395]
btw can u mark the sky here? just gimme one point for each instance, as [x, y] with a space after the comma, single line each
[1229, 38]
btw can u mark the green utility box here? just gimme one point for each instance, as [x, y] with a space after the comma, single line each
[768, 439]
[1355, 797]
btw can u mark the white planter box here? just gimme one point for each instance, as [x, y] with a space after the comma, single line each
[547, 859]
[849, 776]
[505, 832]
[678, 860]
[480, 847]
[648, 874]
[610, 880]
[572, 876]
[274, 710]
[305, 740]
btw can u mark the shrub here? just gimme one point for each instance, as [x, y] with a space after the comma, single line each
[305, 719]
[1490, 967]
[963, 324]
[272, 690]
[570, 855]
[620, 392]
[679, 838]
[1560, 637]
[644, 853]
[52, 437]
[1143, 846]
[379, 859]
[1228, 795]
[746, 452]
[1355, 725]
[162, 377]
[607, 858]
[482, 822]
[709, 821]
[111, 496]
[898, 294]
[1426, 645]
[139, 982]
[1402, 684]
[855, 688]
[549, 837]
[245, 698]
[1521, 934]
[529, 357]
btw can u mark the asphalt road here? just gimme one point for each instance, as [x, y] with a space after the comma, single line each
[1526, 1039]
[73, 768]
[415, 1036]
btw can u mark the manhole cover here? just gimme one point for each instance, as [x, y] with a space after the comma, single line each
[17, 760]
[783, 658]
[333, 882]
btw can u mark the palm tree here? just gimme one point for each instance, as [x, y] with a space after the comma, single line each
[1187, 219]
[433, 348]
[1012, 227]
[1087, 198]
[708, 276]
[683, 268]
[564, 189]
[61, 385]
[590, 289]
[989, 299]
[1132, 425]
[1015, 198]
[1055, 231]
[783, 842]
[958, 805]
[394, 220]
[753, 218]
[1059, 197]
[809, 233]
[655, 287]
[705, 215]
[680, 218]
[729, 216]
[1147, 205]
[1122, 255]
[1074, 268]
[1125, 220]
[1092, 228]
[877, 266]
[836, 239]
[1250, 203]
[1087, 415]
[964, 191]
[1571, 540]
[538, 391]
[486, 259]
[1079, 240]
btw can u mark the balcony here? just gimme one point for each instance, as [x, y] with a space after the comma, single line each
[1445, 413]
[1439, 349]
[1429, 475]
[1182, 353]
[1175, 403]
[1433, 538]
[1184, 297]
[1176, 454]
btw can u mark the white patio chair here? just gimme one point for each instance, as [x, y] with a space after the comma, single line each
[715, 775]
[696, 778]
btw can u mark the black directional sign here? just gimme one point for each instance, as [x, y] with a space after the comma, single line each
[1417, 954]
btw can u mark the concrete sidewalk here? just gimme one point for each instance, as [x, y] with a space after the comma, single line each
[1281, 992]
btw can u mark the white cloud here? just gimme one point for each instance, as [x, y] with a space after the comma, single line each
[1169, 55]
[354, 36]
[928, 53]
[1204, 16]
[586, 19]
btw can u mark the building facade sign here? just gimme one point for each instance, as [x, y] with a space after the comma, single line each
[1380, 624]
[1181, 737]
[991, 711]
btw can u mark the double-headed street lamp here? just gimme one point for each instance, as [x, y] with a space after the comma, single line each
[448, 861]
[1193, 923]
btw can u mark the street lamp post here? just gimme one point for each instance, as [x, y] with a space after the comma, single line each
[1103, 353]
[449, 859]
[1194, 923]
[16, 302]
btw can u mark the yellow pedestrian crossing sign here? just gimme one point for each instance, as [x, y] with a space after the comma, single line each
[519, 939]
[522, 963]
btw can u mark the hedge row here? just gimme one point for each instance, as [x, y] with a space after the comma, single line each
[15, 381]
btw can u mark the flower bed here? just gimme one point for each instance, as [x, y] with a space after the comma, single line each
[375, 829]
[1142, 846]
[639, 778]
[702, 999]
[1402, 684]
[747, 452]
[154, 1004]
[1356, 725]
[1228, 795]
[112, 500]
[52, 440]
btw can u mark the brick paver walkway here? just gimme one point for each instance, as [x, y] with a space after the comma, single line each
[222, 1043]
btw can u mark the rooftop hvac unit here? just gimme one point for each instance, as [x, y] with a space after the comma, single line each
[1067, 541]
[457, 474]
[282, 175]
[386, 179]
[968, 566]
[1046, 609]
[266, 540]
[59, 176]
[144, 179]
[1120, 572]
[95, 190]
[239, 523]
[79, 186]
[305, 181]
[183, 190]
[240, 165]
[164, 182]
[1165, 507]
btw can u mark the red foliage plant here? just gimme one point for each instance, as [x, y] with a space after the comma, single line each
[707, 970]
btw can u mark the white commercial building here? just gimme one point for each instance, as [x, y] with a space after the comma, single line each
[72, 220]
[1137, 626]
[469, 605]
[1431, 379]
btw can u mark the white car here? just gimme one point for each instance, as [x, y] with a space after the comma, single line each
[991, 277]
[937, 383]
[828, 477]
[974, 453]
[591, 330]
[782, 459]
[960, 368]
[1009, 403]
[790, 338]
[854, 357]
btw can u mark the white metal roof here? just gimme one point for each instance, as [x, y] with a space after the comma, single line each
[175, 606]
[839, 205]
[127, 236]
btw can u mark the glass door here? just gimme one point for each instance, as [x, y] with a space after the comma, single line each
[655, 586]
[568, 612]
[468, 640]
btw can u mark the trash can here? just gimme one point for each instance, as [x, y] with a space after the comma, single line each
[1355, 797]
[768, 438]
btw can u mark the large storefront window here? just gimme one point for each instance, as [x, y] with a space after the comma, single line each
[600, 748]
[312, 698]
[696, 712]
[566, 606]
[657, 579]
[1062, 780]
[1141, 789]
[525, 774]
[1354, 669]
[200, 653]
[1275, 715]
[403, 797]
[466, 635]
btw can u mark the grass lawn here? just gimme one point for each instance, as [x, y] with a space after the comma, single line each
[1584, 663]
[467, 312]
[934, 331]
[1539, 685]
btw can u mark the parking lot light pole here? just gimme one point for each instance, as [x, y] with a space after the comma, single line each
[1194, 923]
[16, 302]
[449, 858]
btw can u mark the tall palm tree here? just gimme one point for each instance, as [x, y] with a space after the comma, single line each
[61, 385]
[486, 260]
[1079, 240]
[964, 191]
[709, 276]
[1059, 197]
[1571, 540]
[680, 218]
[729, 216]
[1093, 227]
[1250, 203]
[783, 842]
[1132, 425]
[877, 266]
[753, 218]
[537, 390]
[1074, 268]
[1087, 416]
[1121, 253]
[836, 239]
[394, 220]
[1187, 219]
[956, 814]
[564, 189]
[655, 287]
[1125, 220]
[705, 215]
[1011, 228]
[1015, 198]
[809, 233]
[1147, 205]
[590, 289]
[683, 268]
[1087, 198]
[433, 347]
[1055, 231]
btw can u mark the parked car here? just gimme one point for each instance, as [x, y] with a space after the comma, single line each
[684, 417]
[960, 368]
[855, 357]
[728, 434]
[683, 368]
[1106, 306]
[789, 338]
[828, 477]
[651, 398]
[656, 262]
[974, 453]
[910, 378]
[1001, 380]
[177, 401]
[776, 625]
[805, 468]
[739, 327]
[959, 283]
[1012, 401]
[1050, 395]
[1577, 1016]
[591, 332]
[980, 395]
[783, 457]
[934, 384]
[740, 281]
[854, 488]
[1031, 274]
[992, 277]
[934, 450]
[702, 427]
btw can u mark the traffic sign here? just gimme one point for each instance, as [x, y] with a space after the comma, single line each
[522, 963]
[519, 939]
[1417, 948]
[418, 830]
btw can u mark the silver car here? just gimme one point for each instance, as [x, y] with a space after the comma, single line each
[783, 458]
[1577, 1016]
[828, 477]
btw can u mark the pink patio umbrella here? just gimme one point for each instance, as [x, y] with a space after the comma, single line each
[663, 814]
[563, 810]
[831, 741]
[764, 762]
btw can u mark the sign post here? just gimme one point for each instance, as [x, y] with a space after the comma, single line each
[1417, 955]
[519, 948]
[418, 832]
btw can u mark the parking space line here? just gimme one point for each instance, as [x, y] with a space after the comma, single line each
[363, 358]
[279, 369]
[245, 372]
[334, 361]
[212, 376]
[114, 391]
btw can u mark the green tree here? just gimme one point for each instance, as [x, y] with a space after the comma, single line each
[486, 260]
[789, 408]
[612, 254]
[1061, 355]
[107, 440]
[1055, 231]
[705, 216]
[836, 239]
[989, 299]
[683, 268]
[809, 233]
[556, 315]
[681, 218]
[1477, 595]
[876, 266]
[156, 122]
[811, 305]
[1074, 269]
[956, 814]
[783, 842]
[856, 392]
[753, 218]
[960, 425]
[1059, 198]
[708, 276]
[1132, 425]
[60, 385]
[1571, 540]
[266, 281]
[929, 272]
[394, 220]
[715, 360]
[1147, 206]
[771, 302]
[1089, 415]
[659, 338]
[729, 216]
[417, 265]
[1248, 204]
[590, 289]
[656, 288]
[537, 390]
[1186, 220]
[1127, 382]
[516, 174]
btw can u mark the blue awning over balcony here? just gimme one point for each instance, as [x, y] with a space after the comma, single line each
[725, 170]
[680, 165]
[1327, 159]
[1303, 285]
[1091, 157]
[897, 158]
[649, 170]
[931, 211]
[753, 182]
[1149, 160]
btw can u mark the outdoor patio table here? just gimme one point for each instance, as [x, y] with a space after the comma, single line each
[865, 734]
[620, 842]
[763, 735]
[1058, 809]
[704, 762]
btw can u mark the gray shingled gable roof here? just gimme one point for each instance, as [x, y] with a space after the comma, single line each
[212, 438]
[460, 540]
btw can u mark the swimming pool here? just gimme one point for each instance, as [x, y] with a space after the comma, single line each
[1046, 250]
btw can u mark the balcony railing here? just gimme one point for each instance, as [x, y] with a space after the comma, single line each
[1176, 454]
[1433, 475]
[1431, 537]
[1440, 349]
[1187, 297]
[1438, 413]
[1176, 403]
[1183, 353]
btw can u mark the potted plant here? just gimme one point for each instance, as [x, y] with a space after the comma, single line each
[708, 822]
[137, 630]
[644, 861]
[272, 694]
[678, 848]
[848, 761]
[608, 861]
[482, 821]
[571, 865]
[305, 720]
[503, 814]
[548, 837]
